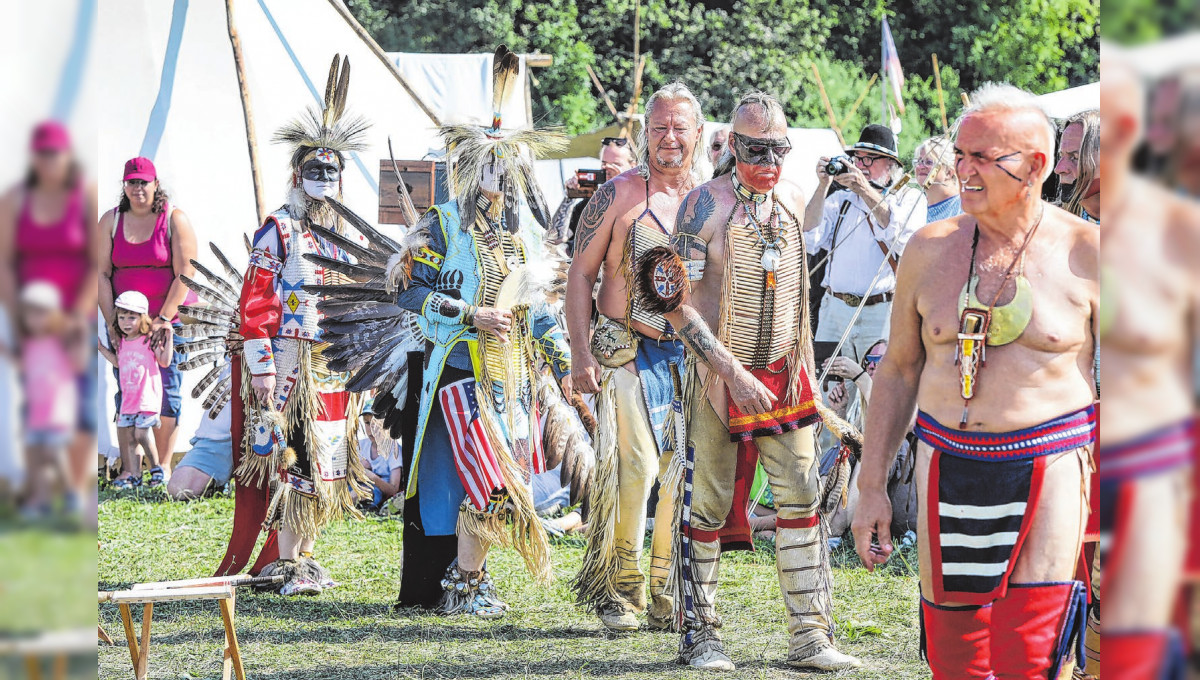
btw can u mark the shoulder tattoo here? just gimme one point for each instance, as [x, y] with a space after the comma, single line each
[693, 215]
[593, 214]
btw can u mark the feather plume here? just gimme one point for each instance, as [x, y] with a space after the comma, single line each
[209, 378]
[361, 274]
[565, 441]
[363, 255]
[222, 286]
[506, 66]
[376, 238]
[360, 293]
[230, 271]
[207, 294]
[207, 315]
[330, 84]
[200, 360]
[200, 345]
[220, 392]
[357, 311]
[215, 410]
[201, 330]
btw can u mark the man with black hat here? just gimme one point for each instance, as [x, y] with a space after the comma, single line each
[864, 226]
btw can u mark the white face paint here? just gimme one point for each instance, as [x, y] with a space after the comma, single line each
[320, 189]
[490, 177]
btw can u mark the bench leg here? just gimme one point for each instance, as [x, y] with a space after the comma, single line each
[232, 652]
[60, 667]
[103, 636]
[33, 666]
[144, 655]
[130, 636]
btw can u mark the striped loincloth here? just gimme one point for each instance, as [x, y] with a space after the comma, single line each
[982, 493]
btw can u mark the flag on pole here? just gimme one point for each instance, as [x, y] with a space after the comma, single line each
[891, 66]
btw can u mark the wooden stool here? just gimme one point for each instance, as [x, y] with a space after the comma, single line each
[199, 589]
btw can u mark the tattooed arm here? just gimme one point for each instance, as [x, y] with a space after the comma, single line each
[591, 246]
[688, 240]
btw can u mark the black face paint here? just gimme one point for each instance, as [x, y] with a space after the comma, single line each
[760, 150]
[1007, 157]
[317, 170]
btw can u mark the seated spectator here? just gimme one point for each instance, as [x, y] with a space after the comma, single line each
[208, 465]
[550, 498]
[380, 455]
[933, 167]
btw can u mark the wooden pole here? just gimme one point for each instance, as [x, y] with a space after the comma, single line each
[247, 113]
[637, 68]
[937, 80]
[828, 107]
[600, 88]
[378, 51]
[966, 99]
[637, 95]
[861, 97]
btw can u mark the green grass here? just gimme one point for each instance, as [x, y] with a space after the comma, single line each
[351, 633]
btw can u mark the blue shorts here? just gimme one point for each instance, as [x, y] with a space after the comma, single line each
[88, 405]
[172, 382]
[53, 439]
[142, 421]
[213, 457]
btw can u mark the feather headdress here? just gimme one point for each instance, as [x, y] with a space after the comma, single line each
[327, 127]
[472, 147]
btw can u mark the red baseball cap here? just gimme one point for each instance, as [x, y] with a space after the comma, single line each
[50, 135]
[140, 168]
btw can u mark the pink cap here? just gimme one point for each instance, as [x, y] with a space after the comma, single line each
[140, 168]
[133, 301]
[50, 135]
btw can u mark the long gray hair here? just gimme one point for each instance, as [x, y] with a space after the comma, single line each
[1089, 151]
[670, 92]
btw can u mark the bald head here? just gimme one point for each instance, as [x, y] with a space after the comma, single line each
[758, 114]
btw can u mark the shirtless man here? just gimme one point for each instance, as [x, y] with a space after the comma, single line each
[749, 389]
[1149, 319]
[1005, 447]
[628, 361]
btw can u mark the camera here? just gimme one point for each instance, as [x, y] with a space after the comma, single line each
[589, 181]
[837, 165]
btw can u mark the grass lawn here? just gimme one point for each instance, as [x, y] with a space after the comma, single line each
[350, 632]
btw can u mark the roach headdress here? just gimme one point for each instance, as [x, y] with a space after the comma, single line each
[470, 148]
[326, 130]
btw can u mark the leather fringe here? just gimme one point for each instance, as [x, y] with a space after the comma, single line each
[595, 584]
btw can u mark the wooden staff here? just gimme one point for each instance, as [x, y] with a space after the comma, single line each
[966, 99]
[637, 95]
[247, 113]
[861, 97]
[600, 88]
[828, 107]
[937, 80]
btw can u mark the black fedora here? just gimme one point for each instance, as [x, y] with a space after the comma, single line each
[877, 139]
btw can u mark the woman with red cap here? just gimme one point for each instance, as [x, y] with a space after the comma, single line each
[147, 245]
[46, 234]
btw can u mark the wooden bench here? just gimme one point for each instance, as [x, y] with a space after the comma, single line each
[221, 589]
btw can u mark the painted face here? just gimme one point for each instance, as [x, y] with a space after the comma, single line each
[127, 321]
[321, 175]
[491, 177]
[993, 172]
[759, 160]
[672, 133]
[1068, 154]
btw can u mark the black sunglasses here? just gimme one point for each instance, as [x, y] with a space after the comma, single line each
[615, 141]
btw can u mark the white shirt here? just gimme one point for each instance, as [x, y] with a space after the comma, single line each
[858, 257]
[219, 428]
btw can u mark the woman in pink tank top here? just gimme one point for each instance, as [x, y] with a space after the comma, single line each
[149, 247]
[47, 233]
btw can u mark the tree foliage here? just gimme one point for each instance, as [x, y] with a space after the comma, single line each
[721, 49]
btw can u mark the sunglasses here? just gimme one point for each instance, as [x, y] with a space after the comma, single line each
[614, 141]
[872, 359]
[761, 150]
[136, 183]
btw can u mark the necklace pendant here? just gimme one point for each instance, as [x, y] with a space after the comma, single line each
[770, 258]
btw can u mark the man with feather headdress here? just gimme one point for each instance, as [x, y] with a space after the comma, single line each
[472, 278]
[294, 422]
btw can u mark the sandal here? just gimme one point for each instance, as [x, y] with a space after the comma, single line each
[126, 483]
[156, 477]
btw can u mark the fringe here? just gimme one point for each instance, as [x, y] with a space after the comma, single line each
[254, 470]
[595, 585]
[302, 514]
[528, 535]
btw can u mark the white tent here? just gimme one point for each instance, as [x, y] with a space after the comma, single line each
[1073, 100]
[171, 93]
[458, 87]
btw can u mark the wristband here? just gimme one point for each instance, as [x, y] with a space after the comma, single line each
[164, 318]
[860, 374]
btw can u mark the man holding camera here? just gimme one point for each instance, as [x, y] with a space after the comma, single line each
[616, 156]
[864, 226]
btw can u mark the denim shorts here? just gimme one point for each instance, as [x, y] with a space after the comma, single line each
[49, 438]
[213, 457]
[141, 421]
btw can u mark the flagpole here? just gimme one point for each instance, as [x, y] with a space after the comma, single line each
[883, 77]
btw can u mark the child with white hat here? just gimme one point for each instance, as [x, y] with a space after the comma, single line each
[137, 362]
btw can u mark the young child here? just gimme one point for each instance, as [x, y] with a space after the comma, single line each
[51, 396]
[141, 386]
